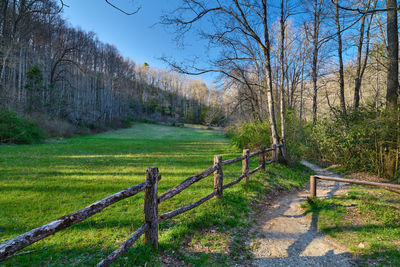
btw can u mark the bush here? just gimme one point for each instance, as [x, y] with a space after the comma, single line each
[250, 135]
[253, 135]
[297, 135]
[127, 123]
[18, 130]
[362, 140]
[54, 127]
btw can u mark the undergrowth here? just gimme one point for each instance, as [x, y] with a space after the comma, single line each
[18, 130]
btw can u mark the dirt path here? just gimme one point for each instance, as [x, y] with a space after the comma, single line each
[285, 236]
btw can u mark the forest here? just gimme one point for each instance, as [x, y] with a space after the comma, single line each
[53, 72]
[319, 76]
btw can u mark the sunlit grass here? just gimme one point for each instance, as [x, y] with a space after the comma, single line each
[40, 183]
[365, 220]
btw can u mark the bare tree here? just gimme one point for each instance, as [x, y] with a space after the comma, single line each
[393, 55]
[362, 62]
[241, 20]
[340, 55]
[318, 10]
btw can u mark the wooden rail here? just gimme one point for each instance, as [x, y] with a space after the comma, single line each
[313, 183]
[17, 243]
[151, 201]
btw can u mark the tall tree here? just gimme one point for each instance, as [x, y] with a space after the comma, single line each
[235, 23]
[283, 76]
[393, 55]
[340, 56]
[318, 12]
[362, 63]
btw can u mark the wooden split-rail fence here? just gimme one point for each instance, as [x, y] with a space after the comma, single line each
[313, 183]
[151, 201]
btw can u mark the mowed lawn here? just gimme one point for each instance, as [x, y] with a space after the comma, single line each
[40, 183]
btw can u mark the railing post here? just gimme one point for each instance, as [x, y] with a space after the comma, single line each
[313, 186]
[245, 164]
[218, 177]
[151, 207]
[261, 158]
[275, 153]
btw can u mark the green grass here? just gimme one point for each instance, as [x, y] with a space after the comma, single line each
[40, 183]
[365, 220]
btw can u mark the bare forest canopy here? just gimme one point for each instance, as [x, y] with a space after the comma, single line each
[332, 63]
[310, 56]
[48, 67]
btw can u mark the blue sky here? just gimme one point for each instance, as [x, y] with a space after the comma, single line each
[135, 36]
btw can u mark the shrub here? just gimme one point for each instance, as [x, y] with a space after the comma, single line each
[249, 135]
[361, 140]
[54, 127]
[254, 134]
[297, 135]
[127, 123]
[18, 130]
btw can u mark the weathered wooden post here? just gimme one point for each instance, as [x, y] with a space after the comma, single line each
[275, 153]
[245, 163]
[261, 158]
[151, 207]
[218, 177]
[313, 186]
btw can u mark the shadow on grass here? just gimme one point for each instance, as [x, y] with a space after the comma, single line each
[379, 235]
[53, 255]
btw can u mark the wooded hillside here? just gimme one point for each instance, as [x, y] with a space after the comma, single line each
[51, 68]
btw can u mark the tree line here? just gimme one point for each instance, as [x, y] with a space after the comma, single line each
[48, 67]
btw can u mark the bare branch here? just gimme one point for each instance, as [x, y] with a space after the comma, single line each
[121, 10]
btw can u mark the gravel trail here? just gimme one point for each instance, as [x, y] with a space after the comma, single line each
[285, 236]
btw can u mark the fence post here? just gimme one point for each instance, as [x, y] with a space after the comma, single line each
[313, 186]
[275, 152]
[245, 164]
[218, 177]
[261, 158]
[151, 207]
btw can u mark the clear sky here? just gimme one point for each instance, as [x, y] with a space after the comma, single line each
[135, 36]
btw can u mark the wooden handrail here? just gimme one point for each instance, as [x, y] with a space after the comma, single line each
[186, 183]
[234, 181]
[124, 247]
[183, 209]
[313, 183]
[17, 243]
[256, 169]
[230, 161]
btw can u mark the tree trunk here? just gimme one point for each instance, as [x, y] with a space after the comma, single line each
[392, 88]
[282, 85]
[340, 54]
[393, 55]
[270, 97]
[314, 67]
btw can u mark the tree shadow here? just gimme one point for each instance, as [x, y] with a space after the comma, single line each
[295, 251]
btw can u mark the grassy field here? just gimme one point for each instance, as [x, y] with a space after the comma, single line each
[39, 183]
